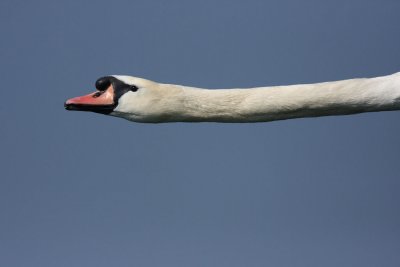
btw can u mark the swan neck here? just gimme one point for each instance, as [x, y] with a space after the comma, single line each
[263, 104]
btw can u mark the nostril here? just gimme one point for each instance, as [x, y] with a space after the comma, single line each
[97, 94]
[103, 83]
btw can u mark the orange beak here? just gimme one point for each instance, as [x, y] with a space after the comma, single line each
[100, 101]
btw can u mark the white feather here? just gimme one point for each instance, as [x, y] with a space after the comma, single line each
[156, 102]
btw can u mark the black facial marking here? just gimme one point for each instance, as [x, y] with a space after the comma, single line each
[120, 88]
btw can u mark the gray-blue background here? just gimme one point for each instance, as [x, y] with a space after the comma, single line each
[81, 189]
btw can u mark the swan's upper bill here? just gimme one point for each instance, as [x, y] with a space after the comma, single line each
[142, 100]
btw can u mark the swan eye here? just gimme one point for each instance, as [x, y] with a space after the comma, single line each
[133, 88]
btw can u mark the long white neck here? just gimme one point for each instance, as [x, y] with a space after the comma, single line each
[284, 102]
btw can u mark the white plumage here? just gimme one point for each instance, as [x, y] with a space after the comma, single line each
[156, 102]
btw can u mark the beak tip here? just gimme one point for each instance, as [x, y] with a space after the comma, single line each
[68, 104]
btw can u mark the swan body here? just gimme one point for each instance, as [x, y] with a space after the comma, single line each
[141, 100]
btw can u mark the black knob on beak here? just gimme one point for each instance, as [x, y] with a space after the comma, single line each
[103, 83]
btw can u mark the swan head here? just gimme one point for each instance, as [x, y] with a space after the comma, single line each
[128, 97]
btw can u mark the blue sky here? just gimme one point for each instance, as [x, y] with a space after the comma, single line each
[82, 189]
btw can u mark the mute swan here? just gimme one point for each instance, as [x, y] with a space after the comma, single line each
[143, 100]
